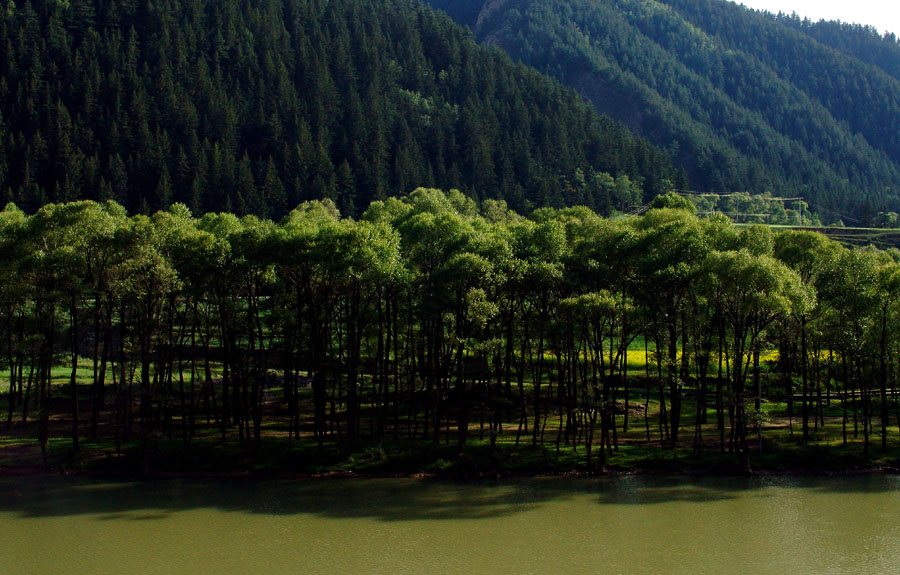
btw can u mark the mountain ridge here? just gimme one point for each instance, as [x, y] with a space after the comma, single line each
[745, 101]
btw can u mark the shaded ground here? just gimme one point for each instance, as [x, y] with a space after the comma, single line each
[277, 456]
[642, 449]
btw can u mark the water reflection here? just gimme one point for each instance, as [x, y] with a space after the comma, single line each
[396, 499]
[644, 525]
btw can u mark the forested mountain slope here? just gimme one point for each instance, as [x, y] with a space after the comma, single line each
[256, 106]
[746, 101]
[860, 41]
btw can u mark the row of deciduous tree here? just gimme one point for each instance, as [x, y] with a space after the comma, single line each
[431, 317]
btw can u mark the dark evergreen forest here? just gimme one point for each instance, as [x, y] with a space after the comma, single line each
[254, 107]
[862, 42]
[745, 101]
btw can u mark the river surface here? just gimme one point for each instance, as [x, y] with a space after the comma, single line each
[551, 526]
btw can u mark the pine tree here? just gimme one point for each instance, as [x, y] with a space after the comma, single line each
[163, 196]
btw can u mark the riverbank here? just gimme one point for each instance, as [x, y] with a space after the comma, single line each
[278, 458]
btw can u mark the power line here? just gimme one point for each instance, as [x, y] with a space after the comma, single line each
[783, 199]
[744, 194]
[832, 212]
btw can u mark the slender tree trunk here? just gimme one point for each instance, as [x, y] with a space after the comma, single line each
[520, 375]
[720, 399]
[73, 381]
[674, 383]
[757, 384]
[46, 380]
[99, 395]
[882, 376]
[804, 360]
[739, 410]
[648, 391]
[353, 344]
[11, 400]
[145, 401]
[95, 391]
[539, 375]
[32, 367]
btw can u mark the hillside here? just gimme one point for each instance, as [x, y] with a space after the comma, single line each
[745, 100]
[856, 40]
[253, 107]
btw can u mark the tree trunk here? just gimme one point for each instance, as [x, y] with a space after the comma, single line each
[804, 358]
[73, 382]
